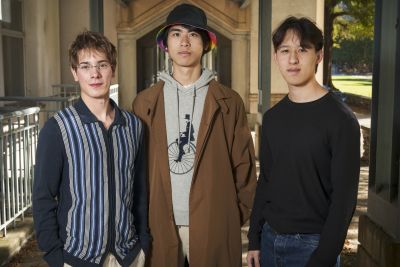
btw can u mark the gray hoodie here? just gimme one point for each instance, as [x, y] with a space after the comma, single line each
[182, 129]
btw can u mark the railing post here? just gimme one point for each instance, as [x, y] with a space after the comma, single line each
[3, 218]
[12, 168]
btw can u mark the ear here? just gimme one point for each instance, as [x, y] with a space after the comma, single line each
[205, 48]
[320, 56]
[74, 74]
[275, 59]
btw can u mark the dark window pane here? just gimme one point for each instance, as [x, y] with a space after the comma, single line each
[16, 16]
[13, 66]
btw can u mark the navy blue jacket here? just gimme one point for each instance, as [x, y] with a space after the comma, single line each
[90, 188]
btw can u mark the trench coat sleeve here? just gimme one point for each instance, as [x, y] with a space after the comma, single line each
[243, 164]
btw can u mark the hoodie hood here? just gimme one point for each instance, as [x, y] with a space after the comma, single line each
[205, 78]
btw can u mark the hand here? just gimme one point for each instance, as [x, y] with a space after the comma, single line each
[253, 258]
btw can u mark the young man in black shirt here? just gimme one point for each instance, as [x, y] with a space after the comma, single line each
[307, 188]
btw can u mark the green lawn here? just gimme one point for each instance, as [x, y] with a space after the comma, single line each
[358, 85]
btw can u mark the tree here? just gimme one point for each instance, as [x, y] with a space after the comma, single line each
[353, 19]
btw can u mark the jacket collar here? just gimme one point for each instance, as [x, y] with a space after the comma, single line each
[216, 98]
[219, 95]
[88, 117]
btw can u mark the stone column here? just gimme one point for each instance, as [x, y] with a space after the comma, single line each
[240, 66]
[127, 74]
[253, 83]
[379, 231]
[2, 91]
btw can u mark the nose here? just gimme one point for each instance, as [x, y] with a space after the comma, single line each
[293, 57]
[185, 40]
[95, 71]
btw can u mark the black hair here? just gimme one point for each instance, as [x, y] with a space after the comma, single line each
[305, 29]
[203, 33]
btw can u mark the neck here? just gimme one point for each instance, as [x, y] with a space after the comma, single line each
[310, 92]
[186, 75]
[101, 109]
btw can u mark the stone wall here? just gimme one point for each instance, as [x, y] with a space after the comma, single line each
[378, 249]
[358, 103]
[366, 133]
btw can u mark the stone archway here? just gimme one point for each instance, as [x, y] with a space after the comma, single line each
[134, 26]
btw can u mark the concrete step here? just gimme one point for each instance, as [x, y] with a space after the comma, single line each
[15, 239]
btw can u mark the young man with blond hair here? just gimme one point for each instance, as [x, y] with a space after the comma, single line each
[90, 191]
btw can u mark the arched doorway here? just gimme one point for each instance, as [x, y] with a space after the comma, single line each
[222, 60]
[150, 60]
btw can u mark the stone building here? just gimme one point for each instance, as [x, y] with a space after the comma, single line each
[36, 35]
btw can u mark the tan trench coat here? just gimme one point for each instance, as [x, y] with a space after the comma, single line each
[223, 185]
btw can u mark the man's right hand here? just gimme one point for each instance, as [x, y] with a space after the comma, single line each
[253, 258]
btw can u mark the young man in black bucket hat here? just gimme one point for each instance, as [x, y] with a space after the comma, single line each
[201, 156]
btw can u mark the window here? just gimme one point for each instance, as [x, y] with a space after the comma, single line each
[13, 50]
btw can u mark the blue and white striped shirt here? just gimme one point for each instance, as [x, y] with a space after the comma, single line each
[100, 198]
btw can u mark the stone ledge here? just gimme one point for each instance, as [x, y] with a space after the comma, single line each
[15, 239]
[358, 103]
[377, 248]
[363, 259]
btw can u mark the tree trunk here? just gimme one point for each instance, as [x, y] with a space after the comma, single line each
[328, 43]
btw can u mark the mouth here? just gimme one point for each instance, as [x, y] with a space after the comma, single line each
[184, 53]
[96, 85]
[293, 71]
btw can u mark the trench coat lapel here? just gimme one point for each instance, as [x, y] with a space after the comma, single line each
[215, 101]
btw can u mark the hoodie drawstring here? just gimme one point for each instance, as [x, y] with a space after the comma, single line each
[191, 117]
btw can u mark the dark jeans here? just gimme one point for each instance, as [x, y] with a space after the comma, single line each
[287, 250]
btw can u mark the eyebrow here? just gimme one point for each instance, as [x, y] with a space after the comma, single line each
[288, 46]
[175, 29]
[100, 61]
[283, 47]
[180, 30]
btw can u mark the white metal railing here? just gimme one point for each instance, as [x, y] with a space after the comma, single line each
[114, 90]
[18, 139]
[20, 121]
[67, 89]
[48, 104]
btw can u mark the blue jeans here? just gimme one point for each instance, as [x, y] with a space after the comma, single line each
[287, 250]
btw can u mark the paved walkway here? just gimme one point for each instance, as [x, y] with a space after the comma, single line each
[30, 256]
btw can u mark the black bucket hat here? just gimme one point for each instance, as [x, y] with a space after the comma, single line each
[186, 14]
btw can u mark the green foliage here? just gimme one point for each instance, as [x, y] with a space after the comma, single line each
[354, 56]
[355, 20]
[352, 35]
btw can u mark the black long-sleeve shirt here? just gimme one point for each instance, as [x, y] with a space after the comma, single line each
[308, 181]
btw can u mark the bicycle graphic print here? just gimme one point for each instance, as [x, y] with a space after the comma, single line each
[181, 153]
